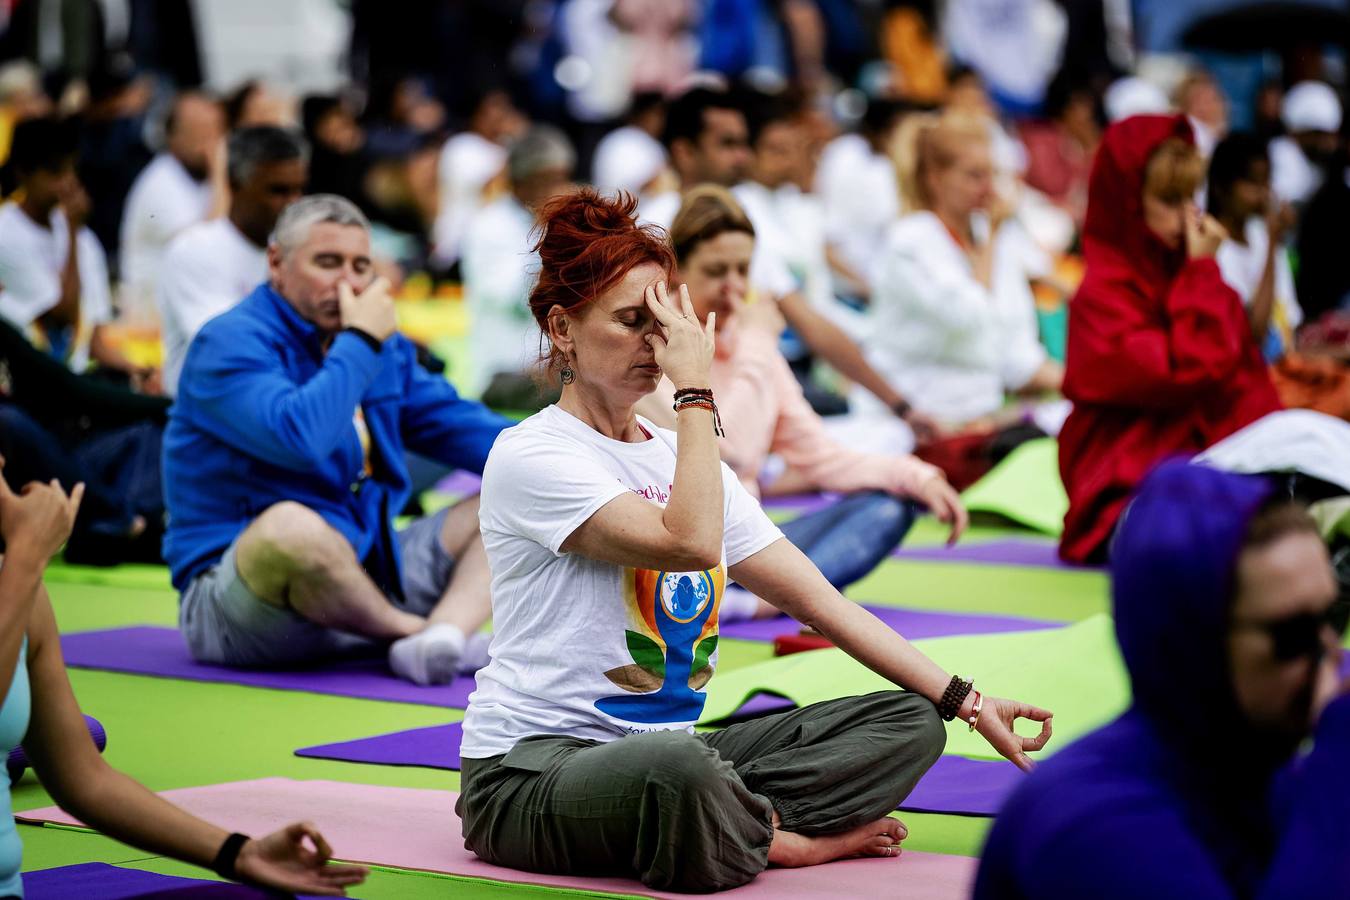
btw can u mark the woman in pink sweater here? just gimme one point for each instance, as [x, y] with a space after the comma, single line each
[766, 417]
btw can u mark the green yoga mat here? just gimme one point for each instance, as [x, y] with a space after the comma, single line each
[1074, 671]
[127, 575]
[1024, 488]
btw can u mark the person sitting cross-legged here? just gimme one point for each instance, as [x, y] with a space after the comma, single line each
[284, 464]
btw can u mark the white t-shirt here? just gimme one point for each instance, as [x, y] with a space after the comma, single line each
[31, 260]
[499, 270]
[1242, 268]
[207, 269]
[948, 344]
[583, 648]
[468, 164]
[861, 199]
[1293, 177]
[164, 200]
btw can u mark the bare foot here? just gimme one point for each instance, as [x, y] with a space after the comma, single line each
[879, 838]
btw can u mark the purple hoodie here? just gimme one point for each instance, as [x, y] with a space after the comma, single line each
[1175, 798]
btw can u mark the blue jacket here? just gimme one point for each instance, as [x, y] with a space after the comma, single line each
[1180, 796]
[264, 415]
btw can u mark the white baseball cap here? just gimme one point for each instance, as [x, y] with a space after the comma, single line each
[1133, 96]
[1311, 106]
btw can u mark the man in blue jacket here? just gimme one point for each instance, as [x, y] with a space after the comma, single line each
[284, 465]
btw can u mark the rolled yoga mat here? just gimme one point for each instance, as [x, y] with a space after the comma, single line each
[100, 881]
[954, 786]
[410, 828]
[18, 758]
[149, 650]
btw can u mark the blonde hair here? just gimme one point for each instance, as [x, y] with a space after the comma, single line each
[706, 212]
[1174, 172]
[926, 143]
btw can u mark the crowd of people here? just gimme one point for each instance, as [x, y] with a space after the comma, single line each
[713, 293]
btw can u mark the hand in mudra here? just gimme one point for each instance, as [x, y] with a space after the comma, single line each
[683, 347]
[997, 717]
[296, 859]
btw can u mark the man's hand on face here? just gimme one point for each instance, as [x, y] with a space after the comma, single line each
[371, 311]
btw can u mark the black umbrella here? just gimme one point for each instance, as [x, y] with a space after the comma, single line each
[1270, 25]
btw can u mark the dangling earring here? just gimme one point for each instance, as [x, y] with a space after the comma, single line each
[568, 376]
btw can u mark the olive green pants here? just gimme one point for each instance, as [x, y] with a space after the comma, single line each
[689, 812]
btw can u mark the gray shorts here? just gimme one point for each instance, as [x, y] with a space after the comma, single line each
[225, 623]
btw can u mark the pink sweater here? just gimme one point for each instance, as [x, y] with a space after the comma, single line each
[763, 411]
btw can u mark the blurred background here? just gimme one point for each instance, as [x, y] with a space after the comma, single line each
[410, 107]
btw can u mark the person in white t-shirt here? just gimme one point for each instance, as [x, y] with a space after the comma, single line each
[1311, 113]
[499, 266]
[611, 542]
[953, 318]
[213, 265]
[173, 192]
[1253, 258]
[472, 171]
[53, 274]
[708, 141]
[855, 181]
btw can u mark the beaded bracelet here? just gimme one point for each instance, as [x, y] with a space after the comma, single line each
[953, 697]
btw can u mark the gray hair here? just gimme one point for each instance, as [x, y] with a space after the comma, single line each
[296, 220]
[260, 145]
[542, 147]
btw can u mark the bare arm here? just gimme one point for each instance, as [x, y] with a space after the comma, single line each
[828, 341]
[66, 312]
[783, 575]
[83, 784]
[1263, 298]
[687, 533]
[34, 525]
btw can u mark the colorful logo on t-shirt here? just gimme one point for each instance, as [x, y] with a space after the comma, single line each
[672, 642]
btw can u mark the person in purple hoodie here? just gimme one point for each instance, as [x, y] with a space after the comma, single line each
[1229, 619]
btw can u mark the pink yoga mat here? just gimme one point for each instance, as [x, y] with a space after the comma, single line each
[954, 786]
[156, 651]
[411, 828]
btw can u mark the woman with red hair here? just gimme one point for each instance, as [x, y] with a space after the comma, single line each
[611, 542]
[1161, 360]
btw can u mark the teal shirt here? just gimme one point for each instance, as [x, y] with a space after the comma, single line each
[13, 726]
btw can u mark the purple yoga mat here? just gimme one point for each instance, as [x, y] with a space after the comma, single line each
[954, 786]
[801, 503]
[1008, 552]
[912, 623]
[460, 482]
[148, 650]
[98, 881]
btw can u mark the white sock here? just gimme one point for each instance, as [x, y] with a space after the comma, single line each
[475, 653]
[431, 656]
[738, 604]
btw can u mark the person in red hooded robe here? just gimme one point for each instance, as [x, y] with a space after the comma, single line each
[1161, 361]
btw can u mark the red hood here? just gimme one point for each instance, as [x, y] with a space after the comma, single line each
[1114, 223]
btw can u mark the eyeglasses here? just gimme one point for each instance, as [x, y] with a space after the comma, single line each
[1300, 636]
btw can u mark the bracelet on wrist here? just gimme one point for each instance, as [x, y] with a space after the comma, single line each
[902, 408]
[974, 718]
[699, 398]
[953, 697]
[228, 855]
